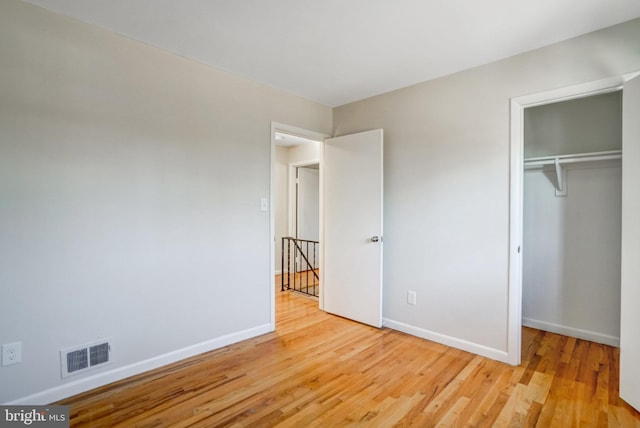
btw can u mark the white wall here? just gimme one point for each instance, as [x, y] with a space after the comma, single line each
[130, 182]
[280, 201]
[447, 183]
[307, 153]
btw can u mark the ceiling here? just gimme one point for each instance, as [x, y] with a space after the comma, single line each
[337, 51]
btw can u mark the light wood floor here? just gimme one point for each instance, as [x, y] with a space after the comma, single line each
[318, 370]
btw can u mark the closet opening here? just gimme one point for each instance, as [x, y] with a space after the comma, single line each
[572, 190]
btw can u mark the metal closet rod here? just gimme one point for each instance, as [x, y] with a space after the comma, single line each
[573, 158]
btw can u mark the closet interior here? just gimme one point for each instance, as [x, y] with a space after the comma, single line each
[572, 217]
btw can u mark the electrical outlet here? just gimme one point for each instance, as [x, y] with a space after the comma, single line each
[11, 353]
[411, 297]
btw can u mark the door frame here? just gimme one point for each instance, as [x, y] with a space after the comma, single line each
[516, 190]
[300, 132]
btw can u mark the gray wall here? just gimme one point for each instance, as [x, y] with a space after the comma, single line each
[588, 124]
[130, 187]
[280, 201]
[571, 252]
[447, 183]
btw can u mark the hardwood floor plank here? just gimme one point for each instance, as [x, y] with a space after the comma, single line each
[478, 388]
[320, 370]
[548, 410]
[533, 416]
[489, 407]
[512, 406]
[452, 417]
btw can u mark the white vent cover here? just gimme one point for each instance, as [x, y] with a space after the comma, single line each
[80, 359]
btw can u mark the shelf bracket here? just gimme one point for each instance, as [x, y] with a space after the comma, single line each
[561, 183]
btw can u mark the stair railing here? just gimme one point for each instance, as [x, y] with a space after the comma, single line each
[301, 267]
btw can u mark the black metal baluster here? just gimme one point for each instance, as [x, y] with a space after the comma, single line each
[288, 264]
[301, 253]
[295, 266]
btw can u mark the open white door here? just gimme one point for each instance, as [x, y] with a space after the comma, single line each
[308, 204]
[630, 263]
[352, 216]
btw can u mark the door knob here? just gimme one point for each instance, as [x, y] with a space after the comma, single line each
[375, 239]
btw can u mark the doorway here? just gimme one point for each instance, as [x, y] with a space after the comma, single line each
[291, 148]
[350, 212]
[518, 106]
[572, 216]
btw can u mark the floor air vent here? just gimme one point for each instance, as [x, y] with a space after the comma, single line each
[80, 359]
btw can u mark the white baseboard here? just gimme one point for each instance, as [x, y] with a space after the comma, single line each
[571, 331]
[100, 379]
[485, 351]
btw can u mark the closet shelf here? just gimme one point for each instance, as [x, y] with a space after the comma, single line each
[559, 160]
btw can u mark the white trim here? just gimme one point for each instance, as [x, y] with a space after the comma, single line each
[272, 225]
[294, 130]
[573, 332]
[514, 311]
[518, 104]
[321, 228]
[100, 379]
[484, 351]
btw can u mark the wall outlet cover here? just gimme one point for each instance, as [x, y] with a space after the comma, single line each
[411, 297]
[11, 353]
